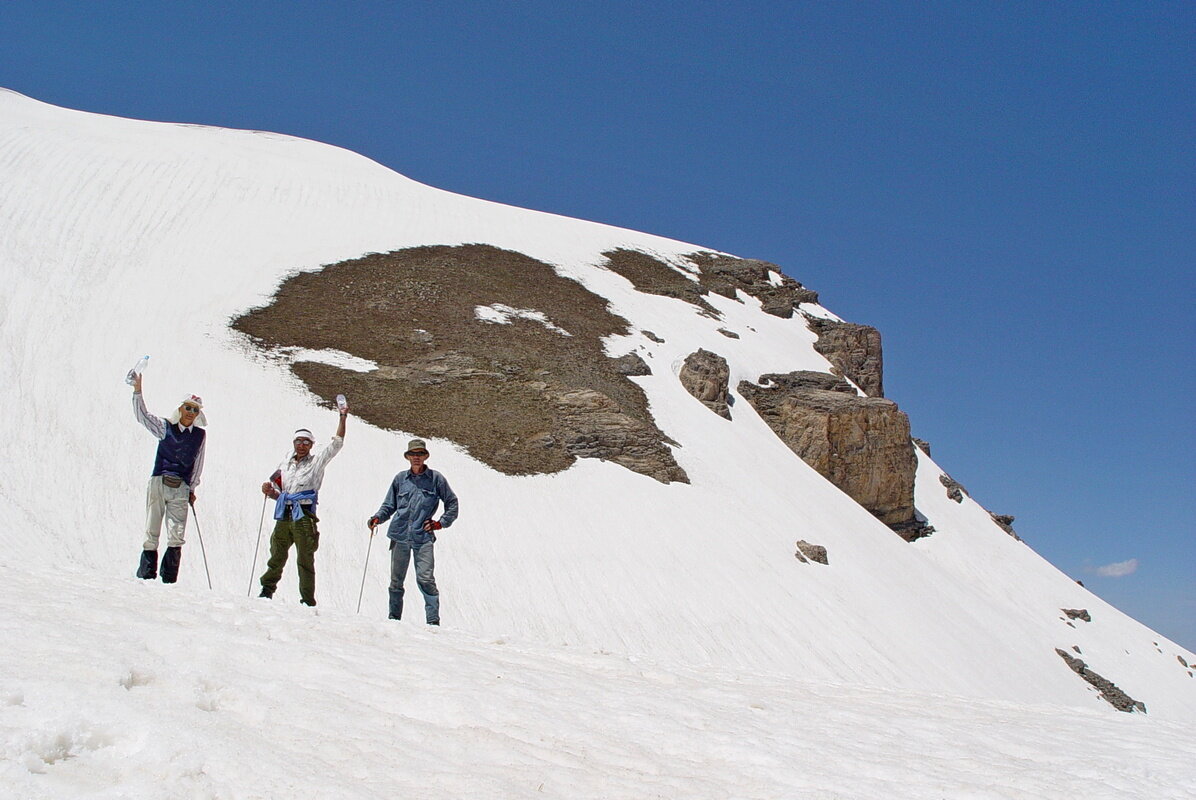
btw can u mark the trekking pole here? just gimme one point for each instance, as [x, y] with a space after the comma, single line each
[256, 547]
[201, 547]
[367, 566]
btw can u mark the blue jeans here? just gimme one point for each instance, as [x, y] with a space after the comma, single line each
[425, 562]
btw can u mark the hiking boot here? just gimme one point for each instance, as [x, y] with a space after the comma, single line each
[170, 564]
[148, 568]
[266, 593]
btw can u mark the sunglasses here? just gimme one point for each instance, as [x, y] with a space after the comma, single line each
[416, 453]
[190, 409]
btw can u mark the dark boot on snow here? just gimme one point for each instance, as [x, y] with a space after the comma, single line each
[148, 568]
[170, 564]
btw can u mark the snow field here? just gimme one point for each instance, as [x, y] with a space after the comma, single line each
[186, 693]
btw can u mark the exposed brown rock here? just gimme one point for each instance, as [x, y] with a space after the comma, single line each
[724, 274]
[1005, 523]
[1108, 691]
[522, 397]
[653, 276]
[807, 552]
[1078, 613]
[705, 376]
[728, 334]
[853, 350]
[922, 445]
[955, 490]
[631, 365]
[860, 444]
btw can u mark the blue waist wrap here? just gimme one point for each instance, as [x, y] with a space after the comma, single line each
[295, 501]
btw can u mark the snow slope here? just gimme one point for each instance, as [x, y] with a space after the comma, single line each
[120, 237]
[203, 696]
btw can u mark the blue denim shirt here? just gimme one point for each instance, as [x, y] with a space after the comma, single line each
[412, 500]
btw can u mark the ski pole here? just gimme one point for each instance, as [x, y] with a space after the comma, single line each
[367, 566]
[201, 547]
[256, 547]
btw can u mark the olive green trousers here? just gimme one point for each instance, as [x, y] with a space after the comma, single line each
[305, 535]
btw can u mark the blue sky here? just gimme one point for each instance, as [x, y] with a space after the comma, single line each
[1006, 190]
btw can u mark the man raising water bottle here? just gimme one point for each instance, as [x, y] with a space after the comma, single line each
[296, 487]
[177, 467]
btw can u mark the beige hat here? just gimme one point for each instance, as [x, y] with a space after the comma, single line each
[416, 444]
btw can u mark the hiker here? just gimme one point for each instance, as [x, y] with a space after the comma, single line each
[177, 467]
[296, 487]
[413, 498]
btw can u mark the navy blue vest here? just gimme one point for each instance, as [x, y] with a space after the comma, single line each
[177, 451]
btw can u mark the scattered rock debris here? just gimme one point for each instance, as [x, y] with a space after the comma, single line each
[1108, 691]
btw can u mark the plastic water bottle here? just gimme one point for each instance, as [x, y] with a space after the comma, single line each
[342, 404]
[137, 370]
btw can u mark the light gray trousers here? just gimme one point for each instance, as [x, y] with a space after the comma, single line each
[161, 501]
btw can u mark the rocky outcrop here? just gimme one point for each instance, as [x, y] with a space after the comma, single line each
[1108, 691]
[955, 490]
[631, 365]
[650, 275]
[807, 552]
[705, 375]
[778, 294]
[485, 347]
[853, 350]
[1078, 613]
[1005, 523]
[922, 445]
[594, 427]
[860, 444]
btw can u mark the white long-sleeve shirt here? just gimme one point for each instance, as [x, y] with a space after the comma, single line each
[307, 474]
[157, 426]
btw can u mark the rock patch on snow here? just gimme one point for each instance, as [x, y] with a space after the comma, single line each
[521, 396]
[1108, 690]
[807, 552]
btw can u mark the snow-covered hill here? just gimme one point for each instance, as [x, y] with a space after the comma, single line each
[120, 237]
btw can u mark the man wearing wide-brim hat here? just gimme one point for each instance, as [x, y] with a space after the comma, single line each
[412, 500]
[178, 465]
[295, 485]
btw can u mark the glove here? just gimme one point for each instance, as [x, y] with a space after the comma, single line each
[373, 522]
[432, 525]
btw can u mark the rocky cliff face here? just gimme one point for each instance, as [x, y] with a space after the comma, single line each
[778, 294]
[853, 350]
[860, 444]
[705, 375]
